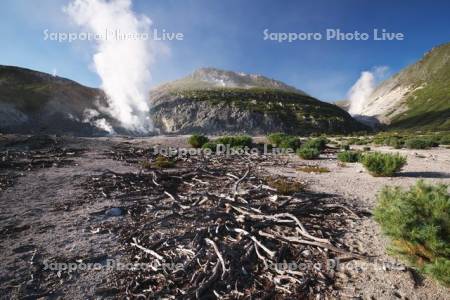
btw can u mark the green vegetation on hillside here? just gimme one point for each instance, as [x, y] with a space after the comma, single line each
[30, 90]
[429, 104]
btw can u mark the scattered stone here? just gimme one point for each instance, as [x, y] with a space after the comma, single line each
[114, 212]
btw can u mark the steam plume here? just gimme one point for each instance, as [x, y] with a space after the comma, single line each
[362, 89]
[122, 64]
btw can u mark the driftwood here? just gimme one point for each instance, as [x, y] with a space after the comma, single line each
[213, 227]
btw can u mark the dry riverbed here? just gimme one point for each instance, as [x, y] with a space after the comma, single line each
[53, 208]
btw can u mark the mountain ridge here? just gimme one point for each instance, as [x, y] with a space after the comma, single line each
[205, 101]
[209, 100]
[417, 97]
[210, 78]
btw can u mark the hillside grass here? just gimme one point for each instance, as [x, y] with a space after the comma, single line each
[429, 105]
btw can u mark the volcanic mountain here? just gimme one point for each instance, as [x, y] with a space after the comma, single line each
[214, 101]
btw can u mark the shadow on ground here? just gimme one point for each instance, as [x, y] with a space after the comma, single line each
[425, 174]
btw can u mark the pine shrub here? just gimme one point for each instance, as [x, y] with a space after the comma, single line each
[418, 222]
[383, 164]
[317, 143]
[308, 153]
[418, 143]
[236, 141]
[197, 140]
[349, 156]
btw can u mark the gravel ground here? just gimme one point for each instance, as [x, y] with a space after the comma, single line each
[373, 281]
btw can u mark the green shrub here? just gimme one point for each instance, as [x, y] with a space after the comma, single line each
[418, 222]
[439, 269]
[445, 140]
[211, 145]
[237, 141]
[163, 162]
[318, 143]
[435, 140]
[308, 153]
[276, 138]
[418, 143]
[395, 142]
[285, 186]
[358, 141]
[349, 156]
[383, 164]
[197, 140]
[313, 169]
[290, 142]
[284, 141]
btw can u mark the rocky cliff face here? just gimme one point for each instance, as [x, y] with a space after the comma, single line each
[417, 97]
[216, 102]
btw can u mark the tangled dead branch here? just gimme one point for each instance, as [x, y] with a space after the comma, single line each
[214, 228]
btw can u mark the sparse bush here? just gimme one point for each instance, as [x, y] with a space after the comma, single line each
[290, 142]
[285, 186]
[197, 140]
[276, 138]
[435, 140]
[308, 153]
[358, 141]
[445, 140]
[418, 222]
[313, 169]
[211, 145]
[284, 141]
[383, 164]
[395, 142]
[366, 149]
[318, 143]
[237, 141]
[349, 156]
[418, 143]
[146, 164]
[161, 162]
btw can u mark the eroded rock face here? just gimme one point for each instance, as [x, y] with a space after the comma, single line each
[215, 101]
[176, 115]
[186, 116]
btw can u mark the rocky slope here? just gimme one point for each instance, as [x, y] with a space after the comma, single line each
[418, 97]
[214, 101]
[208, 101]
[36, 102]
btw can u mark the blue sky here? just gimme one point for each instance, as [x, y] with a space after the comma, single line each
[229, 35]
